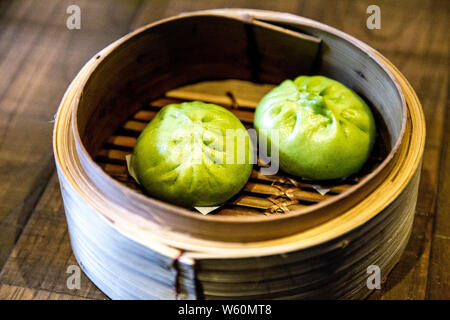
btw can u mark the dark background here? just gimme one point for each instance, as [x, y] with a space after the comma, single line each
[39, 57]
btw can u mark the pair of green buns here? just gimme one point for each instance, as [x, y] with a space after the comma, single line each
[197, 154]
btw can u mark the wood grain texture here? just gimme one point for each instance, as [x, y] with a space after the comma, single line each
[39, 57]
[8, 292]
[422, 55]
[40, 259]
[439, 275]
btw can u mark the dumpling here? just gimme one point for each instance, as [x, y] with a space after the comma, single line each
[193, 154]
[325, 130]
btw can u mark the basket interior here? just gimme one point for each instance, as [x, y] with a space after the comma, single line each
[137, 76]
[263, 194]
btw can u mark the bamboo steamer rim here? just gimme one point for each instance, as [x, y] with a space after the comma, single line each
[238, 14]
[329, 230]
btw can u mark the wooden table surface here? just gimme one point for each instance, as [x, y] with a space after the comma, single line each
[39, 56]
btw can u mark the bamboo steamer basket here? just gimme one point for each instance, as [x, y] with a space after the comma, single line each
[279, 238]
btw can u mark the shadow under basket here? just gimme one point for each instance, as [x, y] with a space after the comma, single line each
[279, 237]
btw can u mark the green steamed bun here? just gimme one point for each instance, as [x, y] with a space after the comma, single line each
[182, 157]
[326, 131]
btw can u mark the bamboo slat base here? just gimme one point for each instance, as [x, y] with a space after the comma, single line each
[263, 194]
